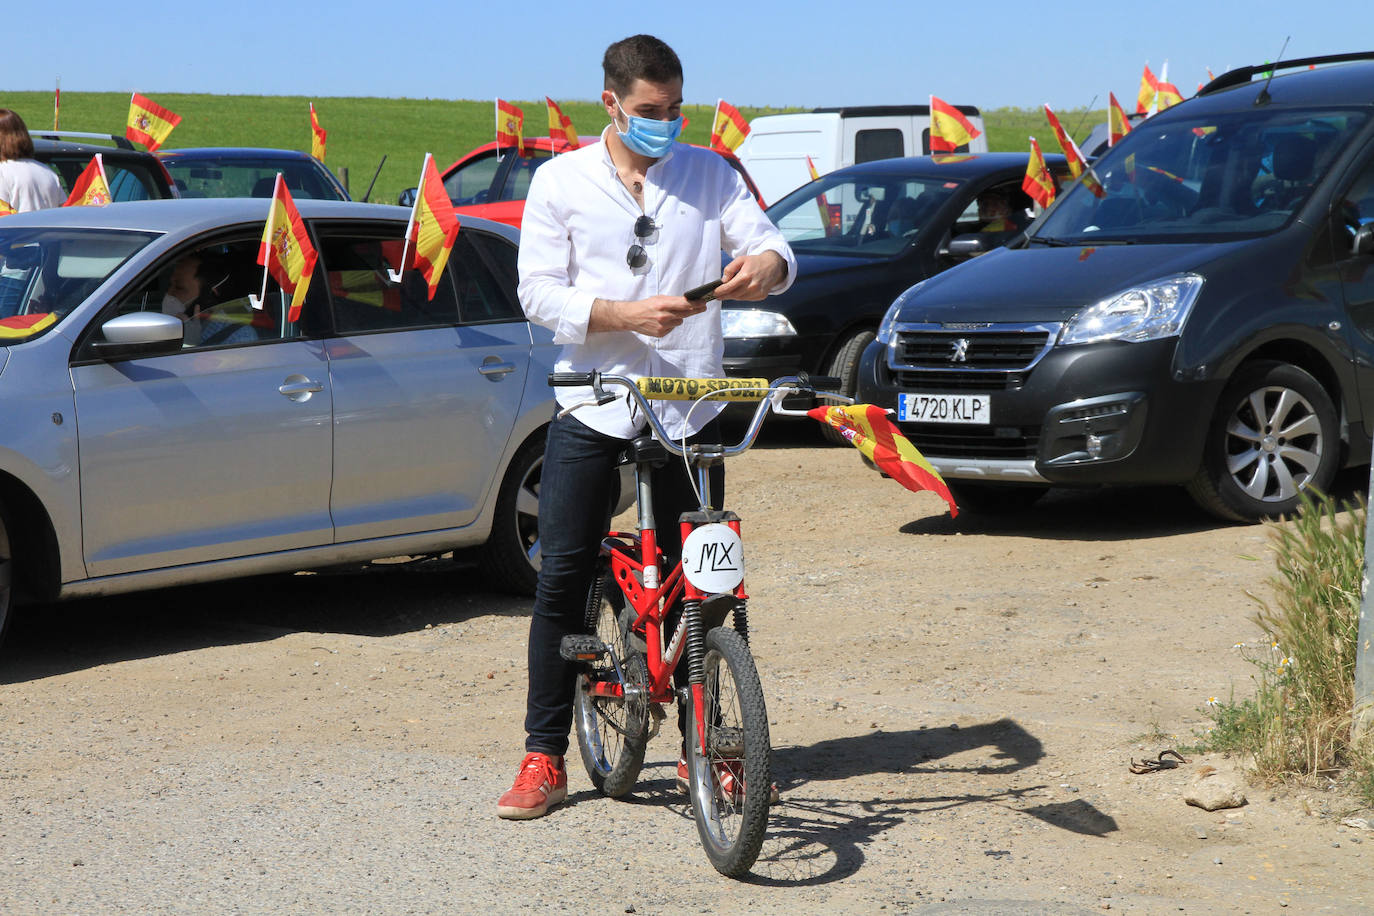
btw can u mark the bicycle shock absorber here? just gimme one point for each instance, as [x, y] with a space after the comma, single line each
[593, 612]
[742, 620]
[696, 641]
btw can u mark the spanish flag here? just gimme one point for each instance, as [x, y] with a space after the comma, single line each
[21, 326]
[1118, 125]
[510, 125]
[149, 123]
[433, 226]
[729, 128]
[1149, 85]
[317, 135]
[6, 208]
[869, 429]
[285, 250]
[1166, 93]
[1078, 165]
[91, 188]
[1038, 183]
[949, 129]
[560, 127]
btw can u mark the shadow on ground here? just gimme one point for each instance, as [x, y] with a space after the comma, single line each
[378, 600]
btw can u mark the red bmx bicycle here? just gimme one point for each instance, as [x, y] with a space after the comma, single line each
[634, 646]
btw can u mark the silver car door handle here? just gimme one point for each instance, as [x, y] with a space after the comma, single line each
[496, 369]
[299, 387]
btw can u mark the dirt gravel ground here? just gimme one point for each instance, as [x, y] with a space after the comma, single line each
[954, 704]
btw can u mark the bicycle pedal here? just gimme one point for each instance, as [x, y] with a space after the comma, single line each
[582, 647]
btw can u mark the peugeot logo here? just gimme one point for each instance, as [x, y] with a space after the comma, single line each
[959, 350]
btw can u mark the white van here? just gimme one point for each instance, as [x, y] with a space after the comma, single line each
[777, 146]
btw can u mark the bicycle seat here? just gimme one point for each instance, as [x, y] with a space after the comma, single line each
[644, 450]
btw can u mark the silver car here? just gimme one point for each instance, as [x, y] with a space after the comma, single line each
[159, 429]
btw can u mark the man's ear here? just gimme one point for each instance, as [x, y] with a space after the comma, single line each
[608, 102]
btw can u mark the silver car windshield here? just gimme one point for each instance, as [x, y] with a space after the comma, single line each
[45, 273]
[1228, 176]
[862, 215]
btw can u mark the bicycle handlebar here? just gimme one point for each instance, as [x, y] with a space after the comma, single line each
[650, 388]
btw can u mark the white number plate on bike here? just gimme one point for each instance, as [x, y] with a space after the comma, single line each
[945, 408]
[713, 558]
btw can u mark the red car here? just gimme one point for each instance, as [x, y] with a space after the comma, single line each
[492, 183]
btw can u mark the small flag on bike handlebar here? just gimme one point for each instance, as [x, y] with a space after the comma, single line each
[869, 429]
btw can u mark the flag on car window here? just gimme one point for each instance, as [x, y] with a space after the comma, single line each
[1078, 165]
[729, 128]
[870, 429]
[510, 125]
[91, 189]
[1118, 125]
[830, 219]
[317, 135]
[149, 123]
[1038, 183]
[560, 128]
[433, 226]
[1166, 93]
[285, 250]
[20, 326]
[949, 129]
[1149, 85]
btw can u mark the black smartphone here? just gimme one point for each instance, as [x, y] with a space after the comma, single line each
[703, 293]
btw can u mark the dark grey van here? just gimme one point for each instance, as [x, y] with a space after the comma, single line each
[1205, 318]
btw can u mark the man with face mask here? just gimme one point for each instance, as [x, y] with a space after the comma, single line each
[612, 236]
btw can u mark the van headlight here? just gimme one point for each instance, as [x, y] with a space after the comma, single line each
[755, 323]
[1146, 312]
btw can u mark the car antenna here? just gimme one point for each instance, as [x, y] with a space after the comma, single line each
[1084, 116]
[1263, 97]
[374, 178]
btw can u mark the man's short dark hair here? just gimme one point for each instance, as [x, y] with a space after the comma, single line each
[639, 57]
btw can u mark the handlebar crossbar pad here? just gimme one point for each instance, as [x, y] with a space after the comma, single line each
[657, 388]
[565, 379]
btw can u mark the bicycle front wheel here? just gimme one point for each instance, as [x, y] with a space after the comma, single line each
[612, 731]
[730, 785]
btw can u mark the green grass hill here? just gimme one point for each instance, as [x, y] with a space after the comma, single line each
[362, 130]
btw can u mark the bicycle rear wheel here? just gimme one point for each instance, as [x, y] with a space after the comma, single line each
[730, 785]
[612, 731]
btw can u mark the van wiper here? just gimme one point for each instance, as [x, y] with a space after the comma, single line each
[1051, 242]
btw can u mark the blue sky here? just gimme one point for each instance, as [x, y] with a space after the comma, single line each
[988, 53]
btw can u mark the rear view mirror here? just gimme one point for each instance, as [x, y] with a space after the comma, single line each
[1364, 240]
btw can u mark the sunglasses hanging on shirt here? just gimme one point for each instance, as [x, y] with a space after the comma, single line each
[637, 257]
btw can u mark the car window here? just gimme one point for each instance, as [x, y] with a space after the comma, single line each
[365, 295]
[876, 143]
[1233, 175]
[484, 268]
[45, 273]
[234, 177]
[471, 183]
[874, 215]
[212, 289]
[517, 184]
[128, 181]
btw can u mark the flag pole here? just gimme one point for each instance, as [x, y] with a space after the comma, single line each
[394, 275]
[56, 103]
[260, 301]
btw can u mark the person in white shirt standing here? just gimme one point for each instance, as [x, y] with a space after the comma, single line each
[613, 234]
[25, 183]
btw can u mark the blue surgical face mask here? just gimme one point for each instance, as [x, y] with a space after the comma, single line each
[647, 136]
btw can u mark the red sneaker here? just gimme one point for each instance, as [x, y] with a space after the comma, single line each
[541, 783]
[731, 777]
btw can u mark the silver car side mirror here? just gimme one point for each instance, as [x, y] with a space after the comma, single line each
[139, 334]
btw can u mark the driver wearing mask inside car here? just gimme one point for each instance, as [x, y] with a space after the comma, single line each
[188, 298]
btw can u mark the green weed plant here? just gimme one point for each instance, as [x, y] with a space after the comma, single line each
[1299, 724]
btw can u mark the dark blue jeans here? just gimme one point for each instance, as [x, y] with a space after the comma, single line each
[574, 513]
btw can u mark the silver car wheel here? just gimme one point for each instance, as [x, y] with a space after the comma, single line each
[1274, 444]
[527, 512]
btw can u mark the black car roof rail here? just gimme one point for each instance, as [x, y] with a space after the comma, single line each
[119, 142]
[1243, 75]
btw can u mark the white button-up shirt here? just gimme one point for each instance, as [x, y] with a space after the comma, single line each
[577, 229]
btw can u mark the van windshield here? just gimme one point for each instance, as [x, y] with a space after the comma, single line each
[864, 215]
[1228, 176]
